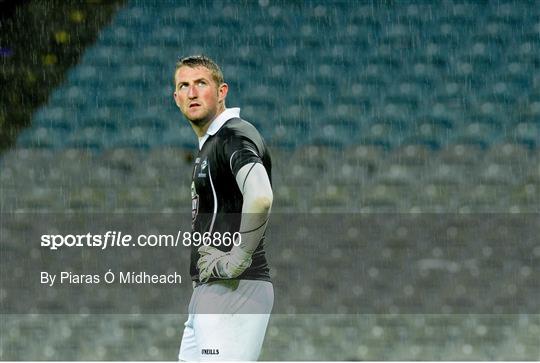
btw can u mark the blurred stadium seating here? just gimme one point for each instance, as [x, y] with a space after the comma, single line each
[368, 107]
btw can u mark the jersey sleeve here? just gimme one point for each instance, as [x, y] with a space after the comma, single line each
[240, 150]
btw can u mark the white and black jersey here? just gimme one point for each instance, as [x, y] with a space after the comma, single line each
[216, 198]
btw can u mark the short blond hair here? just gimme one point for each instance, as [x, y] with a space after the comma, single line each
[194, 61]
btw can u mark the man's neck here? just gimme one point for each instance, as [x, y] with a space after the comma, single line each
[200, 131]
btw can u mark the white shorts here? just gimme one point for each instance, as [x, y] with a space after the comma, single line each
[227, 321]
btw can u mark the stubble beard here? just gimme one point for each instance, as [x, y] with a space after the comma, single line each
[201, 122]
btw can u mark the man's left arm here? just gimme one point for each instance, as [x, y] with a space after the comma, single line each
[254, 183]
[256, 189]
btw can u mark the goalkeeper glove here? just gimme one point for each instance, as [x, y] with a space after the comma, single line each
[223, 265]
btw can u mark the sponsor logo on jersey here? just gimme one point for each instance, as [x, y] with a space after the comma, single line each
[204, 164]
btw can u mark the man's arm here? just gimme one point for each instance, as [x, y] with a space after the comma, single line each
[254, 183]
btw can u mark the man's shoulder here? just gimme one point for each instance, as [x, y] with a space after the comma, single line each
[238, 124]
[240, 127]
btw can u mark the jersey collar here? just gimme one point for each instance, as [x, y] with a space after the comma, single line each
[218, 122]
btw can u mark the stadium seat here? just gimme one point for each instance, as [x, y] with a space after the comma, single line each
[509, 13]
[478, 134]
[86, 76]
[488, 110]
[399, 36]
[124, 160]
[137, 137]
[168, 158]
[461, 13]
[70, 167]
[301, 173]
[445, 174]
[137, 198]
[460, 154]
[412, 155]
[178, 137]
[527, 50]
[136, 75]
[526, 197]
[8, 178]
[427, 139]
[285, 198]
[370, 156]
[495, 33]
[330, 197]
[452, 94]
[41, 138]
[335, 133]
[136, 15]
[485, 198]
[148, 177]
[157, 175]
[499, 174]
[261, 115]
[429, 61]
[445, 36]
[100, 115]
[346, 173]
[101, 118]
[174, 198]
[61, 124]
[37, 198]
[72, 96]
[386, 132]
[363, 15]
[381, 197]
[508, 154]
[387, 61]
[347, 104]
[27, 173]
[371, 82]
[534, 174]
[101, 55]
[312, 155]
[291, 121]
[439, 195]
[120, 96]
[526, 134]
[55, 118]
[148, 119]
[91, 138]
[156, 56]
[104, 177]
[120, 36]
[169, 35]
[87, 198]
[21, 157]
[286, 137]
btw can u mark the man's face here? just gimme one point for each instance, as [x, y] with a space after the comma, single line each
[197, 94]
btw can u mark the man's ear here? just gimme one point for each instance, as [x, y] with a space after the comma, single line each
[176, 99]
[222, 91]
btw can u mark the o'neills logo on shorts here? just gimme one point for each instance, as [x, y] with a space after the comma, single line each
[210, 351]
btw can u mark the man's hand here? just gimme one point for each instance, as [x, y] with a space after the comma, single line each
[223, 265]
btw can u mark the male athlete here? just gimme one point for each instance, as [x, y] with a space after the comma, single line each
[231, 192]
